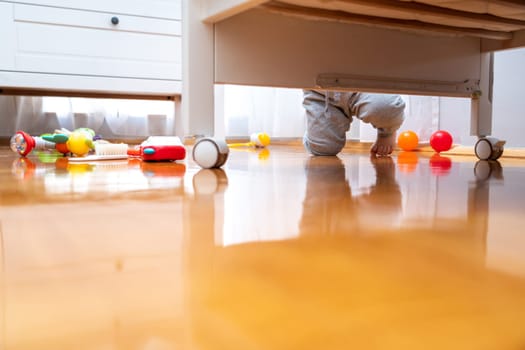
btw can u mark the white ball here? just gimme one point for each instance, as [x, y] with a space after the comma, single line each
[210, 152]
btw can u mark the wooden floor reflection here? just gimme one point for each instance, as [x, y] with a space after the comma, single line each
[277, 250]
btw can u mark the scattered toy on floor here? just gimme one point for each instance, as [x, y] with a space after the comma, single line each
[210, 152]
[441, 141]
[23, 143]
[80, 141]
[408, 140]
[258, 139]
[84, 146]
[104, 150]
[160, 148]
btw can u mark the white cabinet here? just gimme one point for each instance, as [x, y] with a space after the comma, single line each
[113, 47]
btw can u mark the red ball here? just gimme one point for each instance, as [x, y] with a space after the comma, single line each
[441, 141]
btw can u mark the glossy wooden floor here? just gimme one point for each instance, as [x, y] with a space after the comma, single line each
[277, 250]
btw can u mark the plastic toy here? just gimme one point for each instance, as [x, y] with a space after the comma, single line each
[489, 148]
[209, 152]
[80, 141]
[441, 141]
[160, 148]
[23, 143]
[104, 151]
[408, 140]
[259, 139]
[59, 138]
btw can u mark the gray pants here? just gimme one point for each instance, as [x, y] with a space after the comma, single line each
[329, 114]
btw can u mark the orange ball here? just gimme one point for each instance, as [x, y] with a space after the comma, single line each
[408, 140]
[62, 148]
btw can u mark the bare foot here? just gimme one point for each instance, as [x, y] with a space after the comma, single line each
[384, 145]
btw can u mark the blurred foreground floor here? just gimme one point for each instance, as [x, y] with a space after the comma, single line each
[277, 250]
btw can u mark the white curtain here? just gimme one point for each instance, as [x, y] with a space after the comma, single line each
[276, 111]
[111, 118]
[279, 112]
[244, 110]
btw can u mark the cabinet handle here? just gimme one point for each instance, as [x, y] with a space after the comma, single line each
[114, 20]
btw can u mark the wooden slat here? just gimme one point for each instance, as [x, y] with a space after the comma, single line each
[218, 10]
[477, 20]
[518, 40]
[342, 16]
[88, 94]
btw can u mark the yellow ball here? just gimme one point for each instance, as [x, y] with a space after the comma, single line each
[260, 139]
[78, 144]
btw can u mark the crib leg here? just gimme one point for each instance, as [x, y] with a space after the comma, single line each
[481, 113]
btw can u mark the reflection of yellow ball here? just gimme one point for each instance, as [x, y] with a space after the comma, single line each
[264, 154]
[78, 144]
[80, 168]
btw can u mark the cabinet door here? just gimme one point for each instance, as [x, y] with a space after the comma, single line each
[7, 60]
[64, 41]
[167, 9]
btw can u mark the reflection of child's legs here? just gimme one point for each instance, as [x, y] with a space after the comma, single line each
[326, 125]
[385, 113]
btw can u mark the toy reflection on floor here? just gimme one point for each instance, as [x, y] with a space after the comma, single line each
[61, 177]
[329, 208]
[440, 165]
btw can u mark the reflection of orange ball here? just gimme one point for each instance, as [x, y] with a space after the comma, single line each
[408, 140]
[407, 161]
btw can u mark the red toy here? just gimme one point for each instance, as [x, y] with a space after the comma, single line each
[162, 148]
[23, 143]
[441, 141]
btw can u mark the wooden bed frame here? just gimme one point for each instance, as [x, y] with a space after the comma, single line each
[358, 45]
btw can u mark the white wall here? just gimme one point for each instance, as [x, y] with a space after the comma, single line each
[509, 97]
[508, 104]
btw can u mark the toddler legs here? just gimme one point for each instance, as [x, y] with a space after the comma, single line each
[329, 115]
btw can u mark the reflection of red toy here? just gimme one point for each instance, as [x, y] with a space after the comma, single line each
[440, 165]
[162, 148]
[162, 169]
